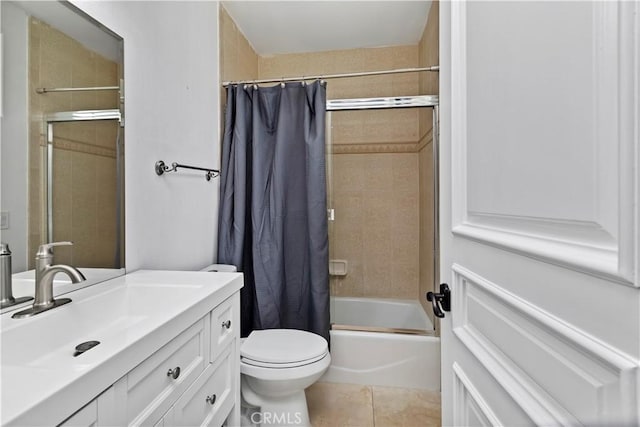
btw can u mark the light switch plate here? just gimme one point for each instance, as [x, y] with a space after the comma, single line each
[4, 220]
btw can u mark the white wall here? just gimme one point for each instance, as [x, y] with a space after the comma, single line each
[14, 130]
[171, 114]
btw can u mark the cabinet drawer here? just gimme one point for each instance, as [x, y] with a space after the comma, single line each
[210, 399]
[151, 389]
[225, 320]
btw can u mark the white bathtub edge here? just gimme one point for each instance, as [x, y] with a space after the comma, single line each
[383, 359]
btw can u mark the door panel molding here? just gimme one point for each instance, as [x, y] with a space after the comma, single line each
[552, 369]
[603, 246]
[468, 401]
[592, 251]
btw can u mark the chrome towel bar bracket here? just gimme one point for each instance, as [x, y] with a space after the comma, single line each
[161, 167]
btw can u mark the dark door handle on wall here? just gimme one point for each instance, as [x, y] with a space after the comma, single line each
[440, 302]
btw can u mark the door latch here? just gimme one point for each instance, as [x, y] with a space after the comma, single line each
[440, 302]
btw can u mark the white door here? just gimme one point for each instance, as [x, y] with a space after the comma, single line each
[539, 212]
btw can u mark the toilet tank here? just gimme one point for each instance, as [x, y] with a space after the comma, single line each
[222, 268]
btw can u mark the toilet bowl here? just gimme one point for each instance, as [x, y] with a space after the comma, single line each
[277, 365]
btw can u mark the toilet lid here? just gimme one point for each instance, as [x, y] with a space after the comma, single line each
[283, 346]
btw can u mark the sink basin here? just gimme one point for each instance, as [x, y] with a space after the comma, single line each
[49, 339]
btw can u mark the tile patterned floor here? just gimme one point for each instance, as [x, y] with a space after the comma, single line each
[350, 405]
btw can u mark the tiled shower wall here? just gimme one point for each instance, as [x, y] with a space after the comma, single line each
[376, 221]
[84, 153]
[377, 160]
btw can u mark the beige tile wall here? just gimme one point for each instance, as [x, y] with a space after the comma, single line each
[428, 55]
[376, 203]
[84, 153]
[238, 60]
[359, 127]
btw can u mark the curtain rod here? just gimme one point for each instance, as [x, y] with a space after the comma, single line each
[335, 76]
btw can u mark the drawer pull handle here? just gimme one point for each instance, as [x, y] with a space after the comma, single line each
[226, 324]
[211, 399]
[174, 373]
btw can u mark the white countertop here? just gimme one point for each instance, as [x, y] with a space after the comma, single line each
[132, 316]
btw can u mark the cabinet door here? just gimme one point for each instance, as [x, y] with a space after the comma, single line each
[165, 421]
[210, 399]
[225, 324]
[101, 411]
[85, 417]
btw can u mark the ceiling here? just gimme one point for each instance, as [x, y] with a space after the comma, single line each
[275, 27]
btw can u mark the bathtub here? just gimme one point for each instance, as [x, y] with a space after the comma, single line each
[382, 342]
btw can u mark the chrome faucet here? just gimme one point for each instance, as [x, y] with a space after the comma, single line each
[45, 272]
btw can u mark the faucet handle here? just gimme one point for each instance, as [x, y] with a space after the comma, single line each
[46, 250]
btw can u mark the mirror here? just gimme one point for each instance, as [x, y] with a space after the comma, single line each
[62, 141]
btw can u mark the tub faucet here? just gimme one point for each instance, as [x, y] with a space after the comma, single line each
[45, 272]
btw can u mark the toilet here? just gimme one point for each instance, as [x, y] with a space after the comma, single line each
[276, 366]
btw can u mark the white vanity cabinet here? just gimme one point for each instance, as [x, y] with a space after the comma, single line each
[193, 380]
[168, 342]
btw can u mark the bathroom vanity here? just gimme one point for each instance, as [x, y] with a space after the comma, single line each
[168, 354]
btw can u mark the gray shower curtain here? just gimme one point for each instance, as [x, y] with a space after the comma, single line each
[273, 213]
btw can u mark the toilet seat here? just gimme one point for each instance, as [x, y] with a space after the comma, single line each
[286, 374]
[282, 348]
[281, 365]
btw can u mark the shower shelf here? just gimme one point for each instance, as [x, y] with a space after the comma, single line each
[338, 267]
